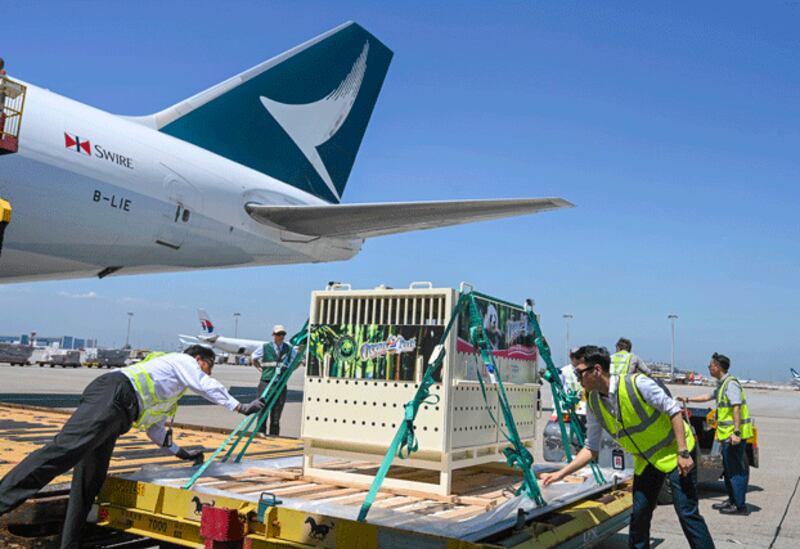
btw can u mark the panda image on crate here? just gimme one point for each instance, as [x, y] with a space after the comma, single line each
[368, 351]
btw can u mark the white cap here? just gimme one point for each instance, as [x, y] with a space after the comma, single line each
[278, 328]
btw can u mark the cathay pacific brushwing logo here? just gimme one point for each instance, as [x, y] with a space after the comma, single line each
[313, 124]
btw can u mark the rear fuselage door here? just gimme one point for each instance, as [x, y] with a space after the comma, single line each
[182, 199]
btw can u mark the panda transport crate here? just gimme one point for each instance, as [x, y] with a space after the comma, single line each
[368, 351]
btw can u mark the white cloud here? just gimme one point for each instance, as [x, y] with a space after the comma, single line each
[161, 305]
[87, 295]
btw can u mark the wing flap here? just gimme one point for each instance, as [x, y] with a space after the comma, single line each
[368, 220]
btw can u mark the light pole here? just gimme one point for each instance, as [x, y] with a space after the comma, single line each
[236, 324]
[128, 334]
[567, 317]
[673, 318]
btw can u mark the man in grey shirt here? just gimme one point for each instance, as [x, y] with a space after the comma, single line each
[662, 433]
[734, 427]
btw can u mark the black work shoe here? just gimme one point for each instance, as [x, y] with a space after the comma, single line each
[733, 510]
[722, 505]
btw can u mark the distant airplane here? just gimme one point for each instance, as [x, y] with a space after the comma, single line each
[248, 172]
[795, 378]
[210, 338]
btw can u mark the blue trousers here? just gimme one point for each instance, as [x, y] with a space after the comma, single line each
[684, 498]
[737, 472]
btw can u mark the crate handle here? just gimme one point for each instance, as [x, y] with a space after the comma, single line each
[333, 286]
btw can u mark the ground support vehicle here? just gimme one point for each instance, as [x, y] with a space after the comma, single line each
[15, 354]
[108, 358]
[259, 506]
[57, 357]
[65, 359]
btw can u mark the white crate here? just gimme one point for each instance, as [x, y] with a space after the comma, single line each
[352, 408]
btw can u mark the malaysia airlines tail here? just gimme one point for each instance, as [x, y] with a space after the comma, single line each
[300, 118]
[206, 326]
[210, 338]
[207, 335]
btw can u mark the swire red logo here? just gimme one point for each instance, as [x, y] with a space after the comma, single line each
[77, 144]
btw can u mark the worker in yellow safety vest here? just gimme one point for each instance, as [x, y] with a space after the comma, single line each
[144, 395]
[624, 362]
[646, 422]
[734, 427]
[269, 359]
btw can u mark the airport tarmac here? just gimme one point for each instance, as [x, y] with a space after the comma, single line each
[775, 506]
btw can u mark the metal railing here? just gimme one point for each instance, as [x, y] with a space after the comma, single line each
[12, 100]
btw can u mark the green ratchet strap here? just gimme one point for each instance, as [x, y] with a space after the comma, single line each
[270, 395]
[517, 455]
[405, 440]
[563, 400]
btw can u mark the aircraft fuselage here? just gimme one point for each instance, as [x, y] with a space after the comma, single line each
[92, 191]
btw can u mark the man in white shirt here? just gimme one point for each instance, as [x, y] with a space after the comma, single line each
[144, 395]
[568, 378]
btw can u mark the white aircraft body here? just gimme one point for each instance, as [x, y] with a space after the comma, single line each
[248, 172]
[217, 342]
[795, 378]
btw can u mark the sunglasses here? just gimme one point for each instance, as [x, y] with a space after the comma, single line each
[580, 371]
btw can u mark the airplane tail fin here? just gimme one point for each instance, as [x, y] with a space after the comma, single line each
[205, 322]
[299, 117]
[795, 373]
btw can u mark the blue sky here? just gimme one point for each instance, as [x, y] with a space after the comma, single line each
[673, 128]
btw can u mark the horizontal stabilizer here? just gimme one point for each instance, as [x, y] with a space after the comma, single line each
[368, 220]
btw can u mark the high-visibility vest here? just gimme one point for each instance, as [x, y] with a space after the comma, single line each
[647, 433]
[272, 358]
[620, 363]
[725, 426]
[153, 408]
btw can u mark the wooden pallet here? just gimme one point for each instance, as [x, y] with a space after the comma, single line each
[475, 490]
[24, 429]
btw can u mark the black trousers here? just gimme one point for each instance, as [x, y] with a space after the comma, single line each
[646, 487]
[275, 413]
[107, 409]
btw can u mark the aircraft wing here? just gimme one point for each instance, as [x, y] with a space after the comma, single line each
[368, 220]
